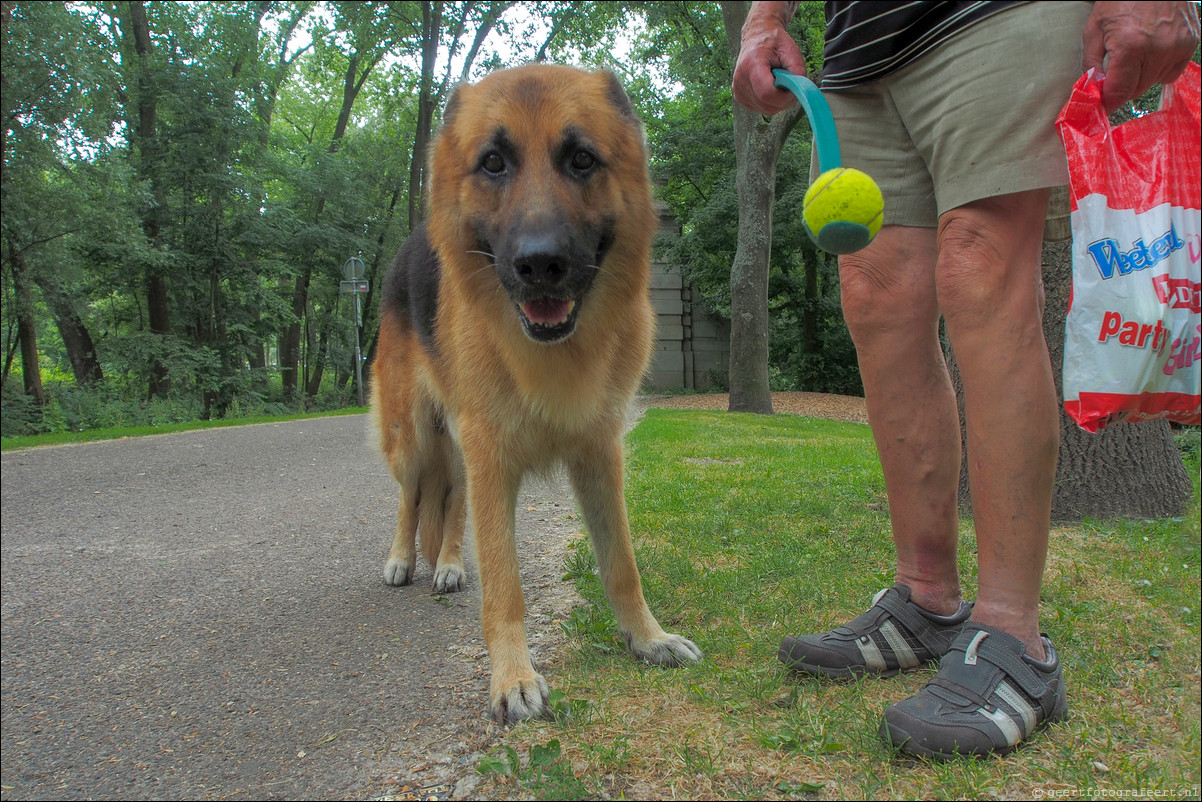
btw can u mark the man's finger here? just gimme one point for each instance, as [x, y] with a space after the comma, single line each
[1122, 83]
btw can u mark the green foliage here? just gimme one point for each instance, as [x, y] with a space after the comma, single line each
[262, 174]
[188, 423]
[1189, 443]
[544, 773]
[114, 404]
[693, 155]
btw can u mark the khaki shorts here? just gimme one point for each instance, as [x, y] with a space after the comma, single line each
[972, 119]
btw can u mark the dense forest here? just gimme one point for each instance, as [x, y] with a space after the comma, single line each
[183, 184]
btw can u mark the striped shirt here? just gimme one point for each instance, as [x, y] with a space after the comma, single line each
[867, 40]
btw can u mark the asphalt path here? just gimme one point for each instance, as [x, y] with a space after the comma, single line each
[203, 616]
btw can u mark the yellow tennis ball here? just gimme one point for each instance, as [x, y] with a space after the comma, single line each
[843, 210]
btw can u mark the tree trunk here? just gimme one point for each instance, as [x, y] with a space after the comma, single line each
[1127, 470]
[290, 342]
[812, 308]
[429, 96]
[157, 302]
[158, 311]
[290, 346]
[76, 338]
[757, 148]
[431, 25]
[27, 330]
[257, 358]
[265, 108]
[369, 307]
[7, 101]
[749, 390]
[318, 359]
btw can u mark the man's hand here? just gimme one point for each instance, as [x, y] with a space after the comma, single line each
[1137, 45]
[766, 44]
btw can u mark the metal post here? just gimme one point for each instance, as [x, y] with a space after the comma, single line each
[352, 271]
[358, 354]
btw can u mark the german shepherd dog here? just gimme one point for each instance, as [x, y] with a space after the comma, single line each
[516, 326]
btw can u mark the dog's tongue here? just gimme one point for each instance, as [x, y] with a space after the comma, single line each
[548, 311]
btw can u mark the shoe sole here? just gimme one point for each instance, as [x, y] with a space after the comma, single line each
[850, 673]
[900, 740]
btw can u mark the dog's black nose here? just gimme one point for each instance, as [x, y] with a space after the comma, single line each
[541, 269]
[539, 261]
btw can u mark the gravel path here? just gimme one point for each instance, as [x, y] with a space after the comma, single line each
[202, 616]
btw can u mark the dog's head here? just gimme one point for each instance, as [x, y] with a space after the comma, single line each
[538, 176]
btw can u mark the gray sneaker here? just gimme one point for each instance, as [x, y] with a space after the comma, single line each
[893, 635]
[988, 696]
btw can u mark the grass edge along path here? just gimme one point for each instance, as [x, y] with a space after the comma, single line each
[18, 442]
[748, 528]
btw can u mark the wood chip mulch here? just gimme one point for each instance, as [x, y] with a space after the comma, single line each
[812, 405]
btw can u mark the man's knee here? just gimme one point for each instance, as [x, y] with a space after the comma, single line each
[985, 269]
[863, 283]
[883, 289]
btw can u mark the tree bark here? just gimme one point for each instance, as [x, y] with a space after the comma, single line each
[757, 149]
[749, 389]
[431, 25]
[812, 308]
[369, 307]
[318, 351]
[265, 107]
[1127, 470]
[157, 300]
[7, 101]
[430, 96]
[81, 350]
[290, 342]
[27, 330]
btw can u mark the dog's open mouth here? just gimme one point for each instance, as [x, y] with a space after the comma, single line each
[549, 319]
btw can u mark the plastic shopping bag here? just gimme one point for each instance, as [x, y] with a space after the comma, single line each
[1134, 329]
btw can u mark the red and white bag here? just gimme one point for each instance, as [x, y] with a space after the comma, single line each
[1134, 330]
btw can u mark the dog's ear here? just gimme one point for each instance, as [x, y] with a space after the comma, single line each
[617, 95]
[452, 104]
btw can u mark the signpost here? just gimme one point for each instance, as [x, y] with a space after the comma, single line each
[354, 283]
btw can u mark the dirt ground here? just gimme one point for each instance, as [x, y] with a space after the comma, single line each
[812, 405]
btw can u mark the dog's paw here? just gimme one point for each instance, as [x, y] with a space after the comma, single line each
[665, 650]
[449, 578]
[526, 698]
[398, 572]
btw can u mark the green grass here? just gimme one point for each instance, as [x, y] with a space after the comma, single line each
[117, 433]
[749, 528]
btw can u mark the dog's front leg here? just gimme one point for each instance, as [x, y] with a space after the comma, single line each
[516, 691]
[402, 558]
[596, 475]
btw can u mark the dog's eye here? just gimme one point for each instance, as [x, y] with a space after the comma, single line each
[583, 161]
[493, 163]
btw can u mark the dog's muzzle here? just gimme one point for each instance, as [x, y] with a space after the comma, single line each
[547, 303]
[547, 271]
[549, 320]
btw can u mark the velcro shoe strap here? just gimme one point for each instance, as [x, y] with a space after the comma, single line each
[994, 650]
[914, 622]
[974, 698]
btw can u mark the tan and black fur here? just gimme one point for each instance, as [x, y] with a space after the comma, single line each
[515, 328]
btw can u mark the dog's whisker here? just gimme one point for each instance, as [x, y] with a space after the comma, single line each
[486, 268]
